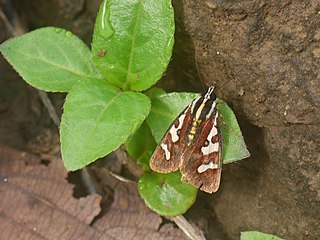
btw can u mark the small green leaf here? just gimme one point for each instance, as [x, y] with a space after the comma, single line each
[254, 235]
[133, 41]
[233, 145]
[141, 145]
[50, 59]
[165, 108]
[166, 194]
[97, 119]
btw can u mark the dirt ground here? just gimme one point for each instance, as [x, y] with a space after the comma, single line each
[264, 58]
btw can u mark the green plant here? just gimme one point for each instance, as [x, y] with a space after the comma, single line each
[254, 235]
[105, 108]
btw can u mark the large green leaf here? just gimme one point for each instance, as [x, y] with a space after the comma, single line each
[50, 59]
[97, 119]
[254, 235]
[133, 41]
[166, 107]
[166, 194]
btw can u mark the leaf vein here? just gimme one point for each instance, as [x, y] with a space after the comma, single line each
[136, 24]
[81, 74]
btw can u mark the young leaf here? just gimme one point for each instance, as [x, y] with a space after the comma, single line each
[254, 235]
[166, 194]
[234, 148]
[141, 145]
[133, 40]
[166, 107]
[50, 59]
[97, 119]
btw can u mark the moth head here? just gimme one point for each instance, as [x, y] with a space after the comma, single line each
[210, 93]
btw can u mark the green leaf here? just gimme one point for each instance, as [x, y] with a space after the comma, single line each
[155, 91]
[166, 194]
[254, 235]
[233, 145]
[50, 59]
[133, 41]
[141, 145]
[97, 119]
[165, 108]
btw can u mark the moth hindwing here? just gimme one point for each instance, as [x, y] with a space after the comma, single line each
[193, 145]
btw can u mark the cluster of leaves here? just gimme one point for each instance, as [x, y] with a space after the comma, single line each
[105, 106]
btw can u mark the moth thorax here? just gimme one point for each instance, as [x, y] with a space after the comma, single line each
[205, 109]
[193, 129]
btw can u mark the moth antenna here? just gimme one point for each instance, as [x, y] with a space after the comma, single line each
[195, 44]
[226, 126]
[218, 87]
[233, 76]
[222, 85]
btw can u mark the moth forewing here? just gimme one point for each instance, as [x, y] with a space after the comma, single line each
[167, 156]
[201, 165]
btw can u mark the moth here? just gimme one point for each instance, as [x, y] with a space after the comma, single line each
[193, 145]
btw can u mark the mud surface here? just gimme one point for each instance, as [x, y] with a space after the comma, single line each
[264, 58]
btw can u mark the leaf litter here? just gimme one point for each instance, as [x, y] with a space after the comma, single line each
[37, 203]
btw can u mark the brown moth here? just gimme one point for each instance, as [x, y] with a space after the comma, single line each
[193, 145]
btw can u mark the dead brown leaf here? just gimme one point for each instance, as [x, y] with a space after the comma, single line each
[130, 218]
[36, 202]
